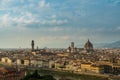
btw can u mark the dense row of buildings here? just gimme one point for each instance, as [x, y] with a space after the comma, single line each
[73, 59]
[8, 73]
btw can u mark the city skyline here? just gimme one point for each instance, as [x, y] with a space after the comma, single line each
[56, 23]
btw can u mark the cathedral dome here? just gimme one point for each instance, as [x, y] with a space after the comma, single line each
[88, 45]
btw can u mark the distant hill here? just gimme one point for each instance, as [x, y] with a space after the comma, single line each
[112, 45]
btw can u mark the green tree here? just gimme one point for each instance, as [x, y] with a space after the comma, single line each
[22, 61]
[35, 74]
[48, 77]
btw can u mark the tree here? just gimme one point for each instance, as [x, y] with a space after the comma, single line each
[35, 74]
[48, 77]
[22, 61]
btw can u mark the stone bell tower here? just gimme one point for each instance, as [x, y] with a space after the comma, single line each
[32, 45]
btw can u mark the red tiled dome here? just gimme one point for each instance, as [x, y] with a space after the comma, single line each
[88, 45]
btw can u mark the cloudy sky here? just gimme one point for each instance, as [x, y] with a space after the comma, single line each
[56, 23]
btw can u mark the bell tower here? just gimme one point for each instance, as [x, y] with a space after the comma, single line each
[32, 45]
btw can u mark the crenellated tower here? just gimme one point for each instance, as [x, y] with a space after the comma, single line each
[32, 45]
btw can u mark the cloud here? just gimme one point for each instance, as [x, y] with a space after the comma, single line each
[4, 2]
[43, 4]
[8, 21]
[54, 38]
[28, 14]
[26, 18]
[116, 2]
[54, 22]
[118, 28]
[5, 21]
[53, 16]
[58, 22]
[55, 29]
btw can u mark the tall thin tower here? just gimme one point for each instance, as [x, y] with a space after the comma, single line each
[32, 45]
[72, 44]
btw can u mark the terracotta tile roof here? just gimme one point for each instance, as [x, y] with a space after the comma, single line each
[6, 70]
